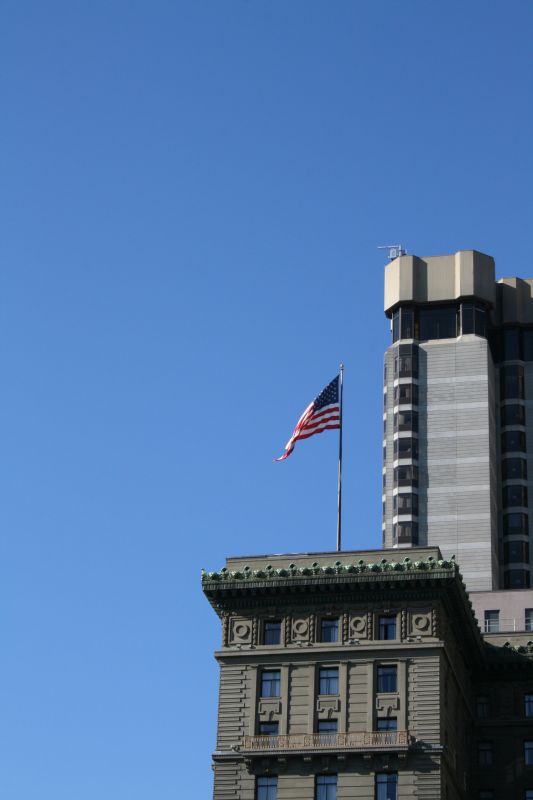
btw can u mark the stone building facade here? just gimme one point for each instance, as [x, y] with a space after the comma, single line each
[360, 675]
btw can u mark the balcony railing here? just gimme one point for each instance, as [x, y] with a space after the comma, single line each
[508, 625]
[365, 740]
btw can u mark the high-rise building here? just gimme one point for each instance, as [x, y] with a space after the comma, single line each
[375, 674]
[458, 415]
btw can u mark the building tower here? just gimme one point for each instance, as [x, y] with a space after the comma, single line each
[458, 415]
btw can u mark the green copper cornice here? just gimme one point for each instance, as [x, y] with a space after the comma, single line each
[422, 569]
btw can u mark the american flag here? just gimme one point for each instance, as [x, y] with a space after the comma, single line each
[322, 414]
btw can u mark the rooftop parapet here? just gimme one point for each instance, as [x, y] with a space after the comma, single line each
[440, 279]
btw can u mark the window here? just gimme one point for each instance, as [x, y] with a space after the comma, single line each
[528, 753]
[514, 495]
[406, 394]
[516, 552]
[514, 469]
[512, 382]
[270, 683]
[529, 794]
[327, 726]
[330, 630]
[406, 475]
[528, 705]
[513, 414]
[386, 785]
[528, 619]
[406, 447]
[515, 524]
[406, 421]
[387, 724]
[272, 632]
[406, 362]
[326, 787]
[406, 503]
[387, 678]
[486, 794]
[484, 754]
[527, 344]
[513, 441]
[266, 788]
[405, 533]
[511, 344]
[482, 706]
[328, 680]
[387, 627]
[472, 319]
[492, 621]
[516, 579]
[268, 728]
[438, 322]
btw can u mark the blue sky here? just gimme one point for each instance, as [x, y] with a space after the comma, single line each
[192, 197]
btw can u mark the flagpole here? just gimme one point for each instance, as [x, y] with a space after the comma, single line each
[339, 488]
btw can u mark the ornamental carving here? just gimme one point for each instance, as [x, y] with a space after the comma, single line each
[420, 622]
[300, 629]
[358, 626]
[240, 631]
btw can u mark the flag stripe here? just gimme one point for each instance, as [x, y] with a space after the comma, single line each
[320, 415]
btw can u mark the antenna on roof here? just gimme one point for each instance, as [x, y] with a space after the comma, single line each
[395, 250]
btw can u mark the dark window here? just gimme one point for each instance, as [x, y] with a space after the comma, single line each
[527, 345]
[515, 524]
[272, 632]
[266, 788]
[405, 533]
[387, 678]
[516, 552]
[511, 344]
[407, 323]
[406, 503]
[473, 319]
[327, 726]
[528, 619]
[386, 785]
[330, 630]
[326, 787]
[512, 382]
[482, 706]
[514, 469]
[514, 495]
[387, 627]
[406, 475]
[529, 794]
[438, 322]
[406, 447]
[528, 753]
[268, 728]
[513, 414]
[492, 621]
[484, 754]
[328, 680]
[486, 794]
[384, 480]
[514, 441]
[407, 361]
[528, 705]
[387, 724]
[396, 325]
[406, 394]
[406, 421]
[516, 579]
[270, 683]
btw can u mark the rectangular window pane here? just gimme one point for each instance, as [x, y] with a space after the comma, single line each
[528, 619]
[387, 627]
[512, 382]
[387, 724]
[515, 524]
[492, 621]
[528, 705]
[514, 469]
[527, 344]
[386, 785]
[266, 788]
[268, 728]
[270, 683]
[484, 751]
[482, 706]
[511, 344]
[528, 753]
[328, 680]
[330, 630]
[327, 726]
[513, 414]
[326, 787]
[272, 632]
[387, 678]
